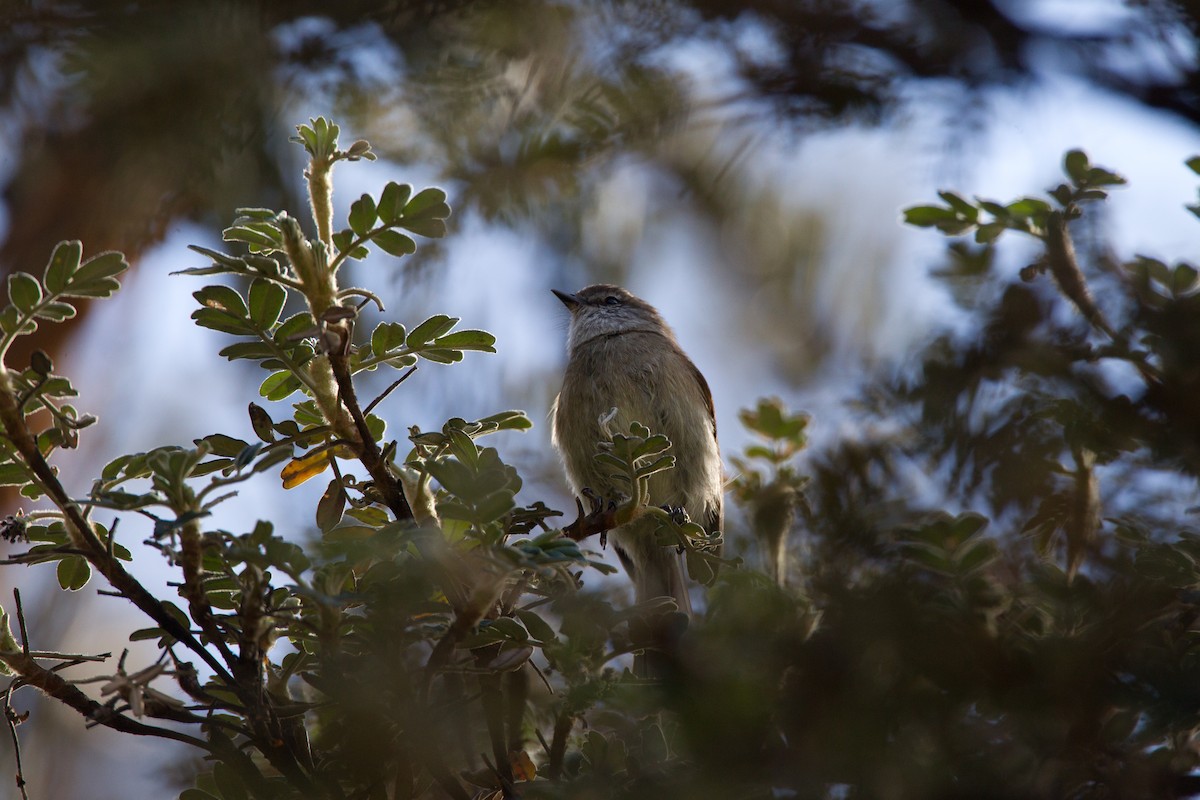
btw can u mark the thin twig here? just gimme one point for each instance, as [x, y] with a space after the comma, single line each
[56, 687]
[389, 390]
[12, 719]
[21, 621]
[73, 658]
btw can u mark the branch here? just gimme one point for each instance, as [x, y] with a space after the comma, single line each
[558, 745]
[84, 537]
[1064, 266]
[52, 685]
[192, 560]
[601, 519]
[369, 453]
[432, 548]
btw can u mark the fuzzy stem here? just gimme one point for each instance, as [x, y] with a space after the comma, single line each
[320, 196]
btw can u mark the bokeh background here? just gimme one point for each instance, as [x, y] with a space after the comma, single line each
[741, 165]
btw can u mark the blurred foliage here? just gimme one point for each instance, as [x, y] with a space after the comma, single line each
[172, 110]
[989, 591]
[540, 114]
[1020, 622]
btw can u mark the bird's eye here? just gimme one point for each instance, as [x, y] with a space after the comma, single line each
[612, 300]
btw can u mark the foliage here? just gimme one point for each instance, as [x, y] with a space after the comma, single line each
[1034, 638]
[386, 658]
[526, 104]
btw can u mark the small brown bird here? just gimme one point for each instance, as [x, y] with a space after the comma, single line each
[622, 355]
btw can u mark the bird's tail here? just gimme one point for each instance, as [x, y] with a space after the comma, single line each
[659, 573]
[656, 572]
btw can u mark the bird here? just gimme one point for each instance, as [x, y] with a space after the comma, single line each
[622, 355]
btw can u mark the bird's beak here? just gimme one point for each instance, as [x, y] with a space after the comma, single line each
[568, 300]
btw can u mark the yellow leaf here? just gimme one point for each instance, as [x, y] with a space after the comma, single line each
[523, 768]
[298, 470]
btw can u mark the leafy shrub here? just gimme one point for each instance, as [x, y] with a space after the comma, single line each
[439, 640]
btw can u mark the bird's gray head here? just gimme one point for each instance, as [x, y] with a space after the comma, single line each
[606, 310]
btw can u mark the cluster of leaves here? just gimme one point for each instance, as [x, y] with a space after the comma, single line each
[41, 400]
[767, 482]
[434, 641]
[1026, 214]
[1042, 644]
[404, 642]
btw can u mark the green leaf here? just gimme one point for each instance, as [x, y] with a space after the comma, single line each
[395, 243]
[1063, 194]
[331, 506]
[960, 206]
[222, 298]
[429, 203]
[223, 262]
[362, 215]
[928, 216]
[279, 385]
[510, 628]
[24, 291]
[97, 268]
[1193, 164]
[255, 350]
[1097, 176]
[220, 321]
[41, 364]
[1028, 207]
[989, 232]
[467, 340]
[508, 420]
[1183, 280]
[967, 524]
[13, 474]
[432, 228]
[975, 553]
[295, 328]
[430, 329]
[538, 628]
[223, 310]
[386, 337]
[342, 240]
[1168, 565]
[56, 312]
[222, 445]
[361, 148]
[1076, 165]
[392, 201]
[441, 355]
[262, 423]
[261, 214]
[145, 634]
[73, 573]
[9, 318]
[266, 302]
[254, 237]
[62, 265]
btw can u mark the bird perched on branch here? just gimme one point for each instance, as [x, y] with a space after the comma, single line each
[623, 356]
